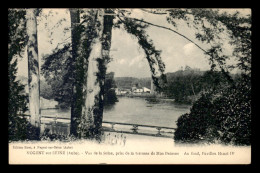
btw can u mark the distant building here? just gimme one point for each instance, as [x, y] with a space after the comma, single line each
[138, 90]
[119, 91]
[132, 90]
[141, 90]
[123, 92]
[146, 90]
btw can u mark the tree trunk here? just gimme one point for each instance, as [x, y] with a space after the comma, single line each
[33, 67]
[93, 87]
[102, 65]
[76, 91]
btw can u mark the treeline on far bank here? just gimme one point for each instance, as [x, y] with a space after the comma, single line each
[186, 86]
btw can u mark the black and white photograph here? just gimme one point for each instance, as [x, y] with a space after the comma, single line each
[129, 85]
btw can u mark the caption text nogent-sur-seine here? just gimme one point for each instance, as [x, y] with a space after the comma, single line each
[69, 150]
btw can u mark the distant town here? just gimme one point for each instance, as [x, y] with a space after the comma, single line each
[135, 90]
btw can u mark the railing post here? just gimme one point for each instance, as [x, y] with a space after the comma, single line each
[159, 131]
[112, 126]
[68, 129]
[42, 126]
[135, 128]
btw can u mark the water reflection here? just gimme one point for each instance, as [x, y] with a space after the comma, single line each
[110, 107]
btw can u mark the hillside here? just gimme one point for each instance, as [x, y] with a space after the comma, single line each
[128, 82]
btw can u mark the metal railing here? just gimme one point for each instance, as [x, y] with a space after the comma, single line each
[138, 129]
[55, 126]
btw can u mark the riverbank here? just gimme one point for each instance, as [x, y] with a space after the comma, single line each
[143, 95]
[157, 98]
[148, 97]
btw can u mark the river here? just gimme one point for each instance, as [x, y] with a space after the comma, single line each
[137, 111]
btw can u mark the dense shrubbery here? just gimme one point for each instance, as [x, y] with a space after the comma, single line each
[223, 115]
[194, 126]
[21, 129]
[234, 113]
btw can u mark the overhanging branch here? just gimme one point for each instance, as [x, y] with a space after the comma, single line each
[159, 26]
[172, 31]
[206, 52]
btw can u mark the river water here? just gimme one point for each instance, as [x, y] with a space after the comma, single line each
[137, 111]
[140, 111]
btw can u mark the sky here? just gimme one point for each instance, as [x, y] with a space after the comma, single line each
[128, 59]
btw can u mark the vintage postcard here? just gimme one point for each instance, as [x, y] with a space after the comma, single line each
[129, 86]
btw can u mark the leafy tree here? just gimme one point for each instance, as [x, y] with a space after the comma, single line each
[16, 101]
[56, 70]
[210, 24]
[230, 108]
[18, 127]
